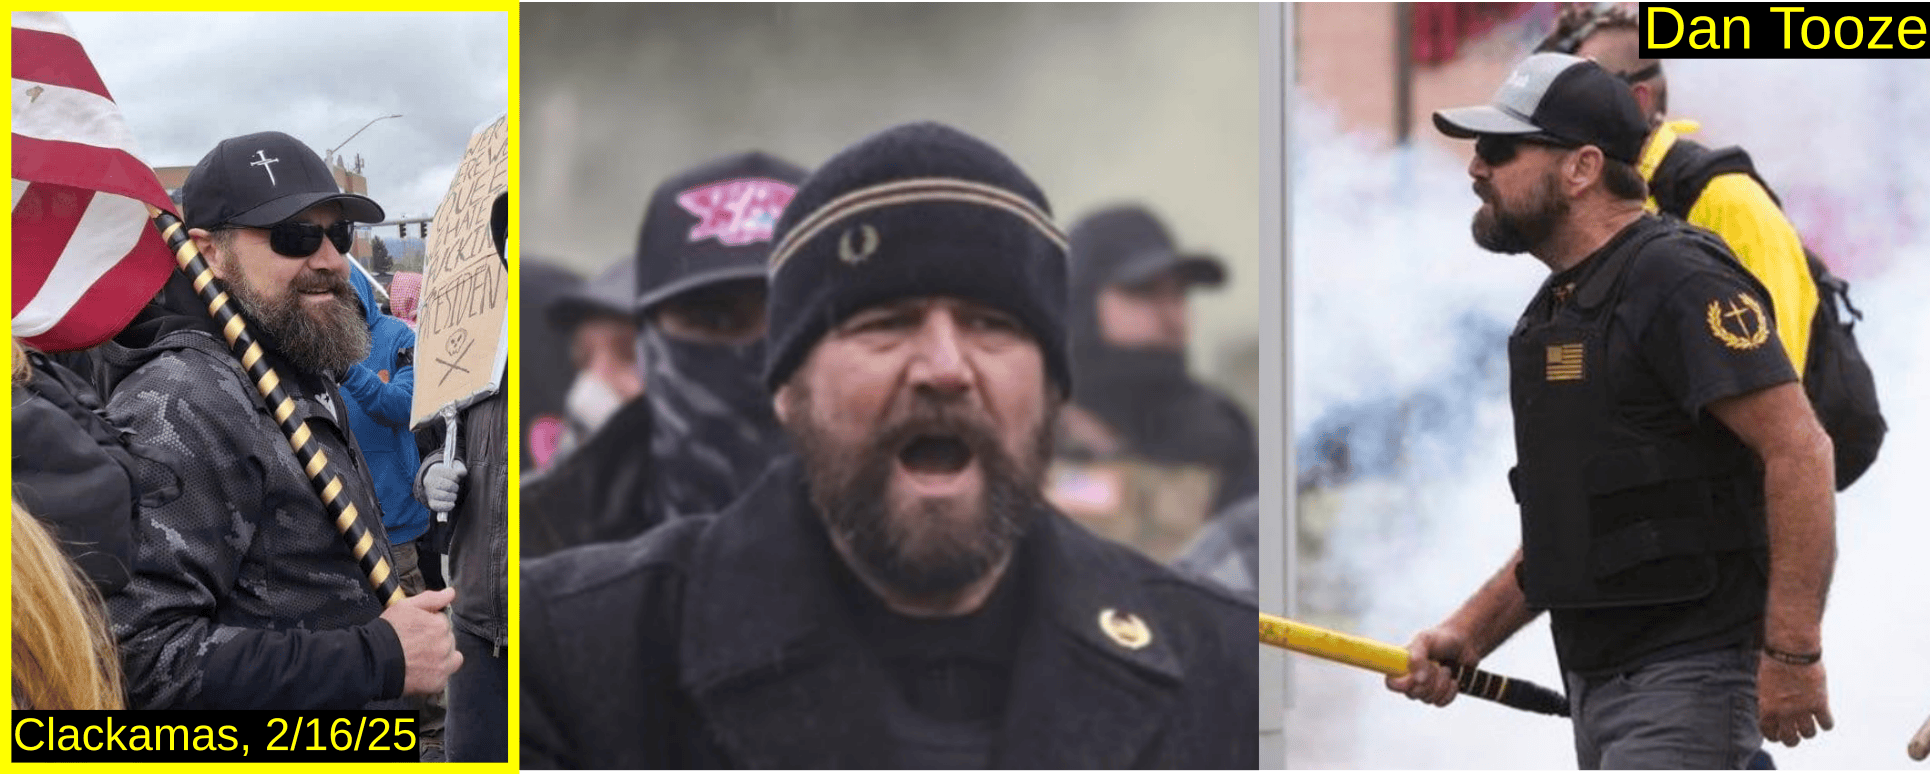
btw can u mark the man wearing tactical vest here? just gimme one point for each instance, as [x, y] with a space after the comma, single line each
[1718, 189]
[1674, 484]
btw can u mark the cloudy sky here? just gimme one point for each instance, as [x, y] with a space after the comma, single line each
[186, 81]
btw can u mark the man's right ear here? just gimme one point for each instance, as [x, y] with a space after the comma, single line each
[204, 244]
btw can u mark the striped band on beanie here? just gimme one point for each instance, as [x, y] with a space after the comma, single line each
[919, 210]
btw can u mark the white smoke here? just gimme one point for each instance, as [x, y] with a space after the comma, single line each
[1399, 329]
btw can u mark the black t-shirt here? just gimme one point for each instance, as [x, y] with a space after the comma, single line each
[1689, 329]
[951, 675]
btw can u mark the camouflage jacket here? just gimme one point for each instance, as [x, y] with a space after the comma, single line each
[243, 595]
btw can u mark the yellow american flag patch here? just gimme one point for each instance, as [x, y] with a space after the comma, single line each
[1565, 362]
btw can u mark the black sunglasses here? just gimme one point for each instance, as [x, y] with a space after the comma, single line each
[297, 239]
[1498, 149]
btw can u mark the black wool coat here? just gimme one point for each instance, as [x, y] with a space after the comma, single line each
[718, 642]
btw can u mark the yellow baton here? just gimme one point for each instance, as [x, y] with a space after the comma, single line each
[1393, 661]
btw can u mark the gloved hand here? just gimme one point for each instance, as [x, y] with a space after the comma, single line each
[440, 484]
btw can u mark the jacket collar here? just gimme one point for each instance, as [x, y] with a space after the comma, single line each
[769, 657]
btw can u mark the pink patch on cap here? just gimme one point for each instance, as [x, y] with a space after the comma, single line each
[737, 212]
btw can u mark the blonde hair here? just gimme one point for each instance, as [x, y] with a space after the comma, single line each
[23, 370]
[63, 655]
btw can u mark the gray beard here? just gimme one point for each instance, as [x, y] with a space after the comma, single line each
[330, 343]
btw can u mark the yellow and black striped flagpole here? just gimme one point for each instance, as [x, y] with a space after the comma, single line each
[1392, 660]
[314, 461]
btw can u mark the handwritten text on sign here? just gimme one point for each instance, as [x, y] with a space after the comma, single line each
[462, 314]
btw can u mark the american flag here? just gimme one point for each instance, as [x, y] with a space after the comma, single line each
[85, 258]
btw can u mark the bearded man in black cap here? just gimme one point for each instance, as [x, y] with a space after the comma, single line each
[243, 595]
[1675, 488]
[898, 595]
[547, 368]
[703, 429]
[1146, 452]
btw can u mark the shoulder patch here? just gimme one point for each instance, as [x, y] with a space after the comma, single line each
[1739, 322]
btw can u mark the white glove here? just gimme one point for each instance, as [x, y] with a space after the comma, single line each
[441, 484]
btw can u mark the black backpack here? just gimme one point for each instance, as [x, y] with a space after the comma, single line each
[1836, 377]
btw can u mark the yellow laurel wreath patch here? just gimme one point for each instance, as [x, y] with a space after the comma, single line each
[1744, 308]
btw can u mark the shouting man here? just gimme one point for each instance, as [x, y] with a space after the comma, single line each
[899, 594]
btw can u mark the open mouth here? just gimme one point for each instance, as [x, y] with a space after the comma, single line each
[935, 455]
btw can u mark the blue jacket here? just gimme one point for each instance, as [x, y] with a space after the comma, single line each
[379, 413]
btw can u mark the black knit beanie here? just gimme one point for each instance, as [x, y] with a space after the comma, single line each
[916, 210]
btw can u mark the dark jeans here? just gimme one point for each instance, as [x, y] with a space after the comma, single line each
[1690, 712]
[478, 724]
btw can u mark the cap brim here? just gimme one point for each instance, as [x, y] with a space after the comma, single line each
[691, 282]
[355, 207]
[567, 312]
[1193, 269]
[1470, 122]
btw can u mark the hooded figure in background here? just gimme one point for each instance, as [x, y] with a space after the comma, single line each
[704, 429]
[598, 323]
[1146, 452]
[545, 358]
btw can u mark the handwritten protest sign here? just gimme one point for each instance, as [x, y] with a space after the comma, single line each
[462, 317]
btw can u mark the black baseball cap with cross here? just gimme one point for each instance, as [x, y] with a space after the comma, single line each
[262, 179]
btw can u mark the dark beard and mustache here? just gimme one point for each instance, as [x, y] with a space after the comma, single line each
[333, 338]
[1501, 231]
[926, 553]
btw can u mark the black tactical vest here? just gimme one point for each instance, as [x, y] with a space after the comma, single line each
[1612, 513]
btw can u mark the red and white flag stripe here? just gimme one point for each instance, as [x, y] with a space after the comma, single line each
[85, 258]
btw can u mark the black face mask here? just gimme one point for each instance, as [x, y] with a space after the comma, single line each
[712, 429]
[1158, 409]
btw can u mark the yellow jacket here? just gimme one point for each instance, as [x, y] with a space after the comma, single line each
[1737, 209]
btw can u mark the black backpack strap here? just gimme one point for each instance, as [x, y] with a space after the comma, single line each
[1687, 169]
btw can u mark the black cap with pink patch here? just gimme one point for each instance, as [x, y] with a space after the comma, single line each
[712, 224]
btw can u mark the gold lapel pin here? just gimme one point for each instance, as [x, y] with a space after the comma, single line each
[1125, 628]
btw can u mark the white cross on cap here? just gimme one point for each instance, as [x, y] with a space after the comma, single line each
[265, 163]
